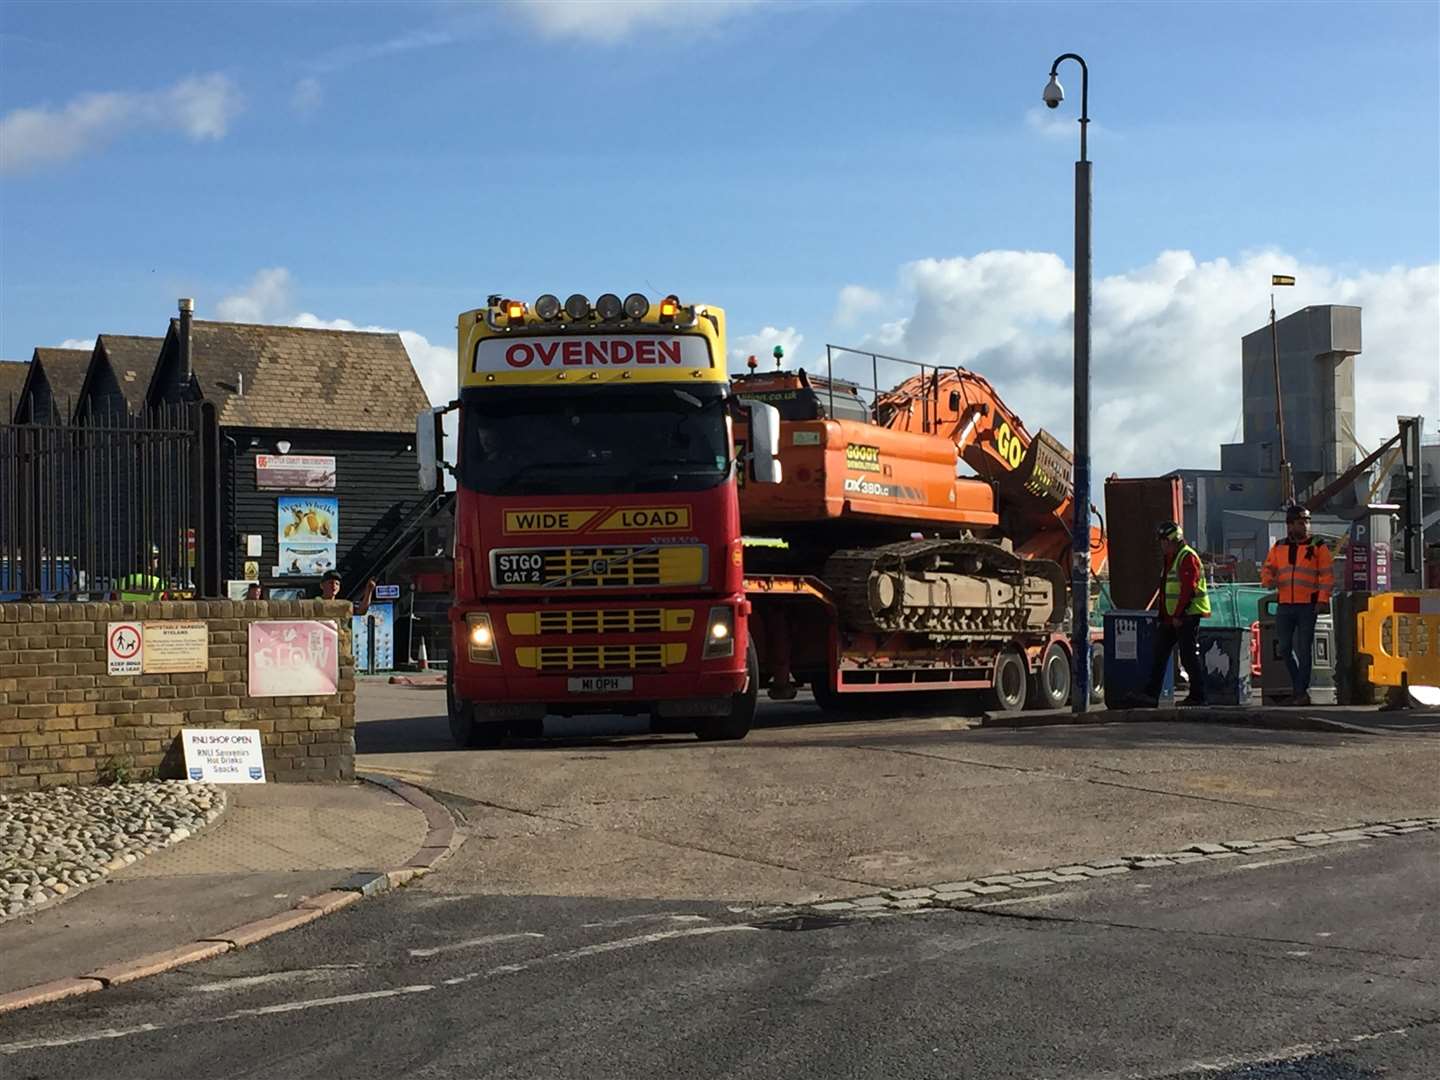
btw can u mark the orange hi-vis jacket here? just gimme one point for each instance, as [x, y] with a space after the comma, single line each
[1302, 573]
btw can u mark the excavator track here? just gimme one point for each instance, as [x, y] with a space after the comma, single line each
[949, 590]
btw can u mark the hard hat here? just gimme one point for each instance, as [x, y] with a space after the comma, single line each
[1169, 530]
[1296, 512]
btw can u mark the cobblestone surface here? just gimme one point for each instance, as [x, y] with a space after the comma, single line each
[58, 840]
[967, 893]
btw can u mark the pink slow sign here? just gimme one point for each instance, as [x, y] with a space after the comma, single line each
[292, 659]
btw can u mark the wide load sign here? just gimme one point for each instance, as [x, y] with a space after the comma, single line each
[645, 357]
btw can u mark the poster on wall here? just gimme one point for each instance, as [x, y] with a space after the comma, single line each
[305, 560]
[293, 658]
[373, 635]
[308, 529]
[289, 471]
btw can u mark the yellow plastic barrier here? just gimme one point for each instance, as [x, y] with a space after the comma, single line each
[1399, 633]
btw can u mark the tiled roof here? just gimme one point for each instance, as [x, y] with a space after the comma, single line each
[286, 376]
[133, 361]
[12, 378]
[65, 371]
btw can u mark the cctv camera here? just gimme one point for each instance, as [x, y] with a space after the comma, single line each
[1054, 93]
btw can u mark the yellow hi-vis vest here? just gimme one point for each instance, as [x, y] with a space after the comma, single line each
[1200, 602]
[141, 587]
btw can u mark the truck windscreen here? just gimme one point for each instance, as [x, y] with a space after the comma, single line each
[534, 441]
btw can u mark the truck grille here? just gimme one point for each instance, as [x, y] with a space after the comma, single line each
[613, 621]
[606, 567]
[600, 657]
[554, 622]
[556, 658]
[620, 567]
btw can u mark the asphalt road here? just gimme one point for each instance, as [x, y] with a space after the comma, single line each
[1307, 964]
[807, 809]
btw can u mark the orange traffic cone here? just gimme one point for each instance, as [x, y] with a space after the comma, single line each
[424, 657]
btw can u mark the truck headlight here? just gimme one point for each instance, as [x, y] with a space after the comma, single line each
[480, 637]
[720, 633]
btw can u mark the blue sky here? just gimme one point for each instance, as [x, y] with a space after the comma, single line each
[399, 162]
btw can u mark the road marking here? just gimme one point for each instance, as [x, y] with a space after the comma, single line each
[672, 916]
[1263, 1057]
[1277, 862]
[472, 943]
[599, 948]
[93, 1036]
[1031, 899]
[372, 995]
[650, 939]
[321, 1003]
[276, 976]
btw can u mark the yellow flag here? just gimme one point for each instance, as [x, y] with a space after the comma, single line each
[1281, 279]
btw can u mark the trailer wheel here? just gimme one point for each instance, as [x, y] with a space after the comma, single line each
[1007, 691]
[1050, 685]
[742, 707]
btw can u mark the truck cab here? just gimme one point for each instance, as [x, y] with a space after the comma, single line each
[597, 561]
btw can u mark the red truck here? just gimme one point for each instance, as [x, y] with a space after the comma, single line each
[598, 562]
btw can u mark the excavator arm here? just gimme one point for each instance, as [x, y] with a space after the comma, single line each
[1032, 474]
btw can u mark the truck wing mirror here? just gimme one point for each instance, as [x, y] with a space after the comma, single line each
[764, 442]
[429, 438]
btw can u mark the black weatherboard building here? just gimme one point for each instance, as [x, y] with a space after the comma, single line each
[317, 443]
[52, 385]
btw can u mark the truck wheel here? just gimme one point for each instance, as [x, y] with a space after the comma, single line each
[1050, 685]
[1007, 692]
[472, 734]
[742, 707]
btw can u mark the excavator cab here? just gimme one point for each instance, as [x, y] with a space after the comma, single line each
[799, 395]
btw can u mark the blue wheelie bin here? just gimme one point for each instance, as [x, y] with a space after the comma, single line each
[1129, 654]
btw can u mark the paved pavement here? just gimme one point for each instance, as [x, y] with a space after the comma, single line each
[1300, 965]
[806, 810]
[275, 844]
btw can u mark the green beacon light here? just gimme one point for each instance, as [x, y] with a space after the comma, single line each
[779, 354]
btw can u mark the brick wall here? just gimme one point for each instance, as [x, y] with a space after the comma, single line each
[64, 720]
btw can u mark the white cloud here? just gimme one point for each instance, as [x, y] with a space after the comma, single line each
[856, 301]
[1165, 344]
[77, 343]
[612, 20]
[762, 346]
[200, 107]
[349, 55]
[307, 96]
[268, 298]
[265, 299]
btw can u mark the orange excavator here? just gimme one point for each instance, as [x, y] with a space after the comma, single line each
[876, 566]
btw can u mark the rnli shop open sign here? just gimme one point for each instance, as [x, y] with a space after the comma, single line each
[222, 756]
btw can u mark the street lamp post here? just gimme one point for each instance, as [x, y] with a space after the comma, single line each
[1080, 528]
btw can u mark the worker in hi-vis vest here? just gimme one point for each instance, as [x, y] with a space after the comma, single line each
[1301, 570]
[149, 586]
[1184, 601]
